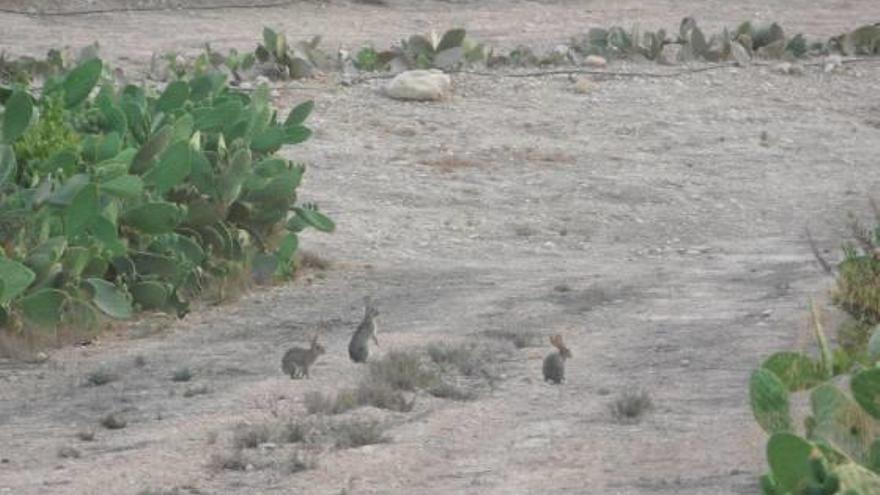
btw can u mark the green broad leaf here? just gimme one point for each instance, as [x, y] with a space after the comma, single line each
[204, 86]
[174, 96]
[44, 307]
[769, 400]
[231, 181]
[866, 391]
[183, 128]
[75, 260]
[296, 134]
[287, 247]
[135, 119]
[453, 38]
[7, 163]
[173, 168]
[164, 267]
[316, 219]
[154, 218]
[125, 187]
[82, 210]
[80, 82]
[63, 161]
[17, 115]
[111, 300]
[15, 277]
[65, 195]
[299, 114]
[795, 370]
[107, 234]
[157, 143]
[215, 118]
[788, 456]
[109, 147]
[114, 117]
[269, 140]
[150, 295]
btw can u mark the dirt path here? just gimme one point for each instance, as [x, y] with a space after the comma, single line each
[677, 229]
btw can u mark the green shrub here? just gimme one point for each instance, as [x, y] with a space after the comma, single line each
[119, 199]
[51, 134]
[838, 448]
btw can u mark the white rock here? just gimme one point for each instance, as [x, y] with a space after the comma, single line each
[833, 62]
[420, 85]
[789, 68]
[595, 61]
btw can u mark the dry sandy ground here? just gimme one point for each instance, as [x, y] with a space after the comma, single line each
[677, 228]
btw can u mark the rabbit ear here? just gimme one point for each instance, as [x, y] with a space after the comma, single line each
[556, 340]
[315, 338]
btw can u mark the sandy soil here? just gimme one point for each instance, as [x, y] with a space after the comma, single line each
[677, 228]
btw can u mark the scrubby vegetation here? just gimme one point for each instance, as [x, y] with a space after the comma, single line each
[122, 198]
[837, 450]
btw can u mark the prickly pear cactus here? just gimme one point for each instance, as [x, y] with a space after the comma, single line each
[769, 400]
[866, 390]
[855, 477]
[841, 423]
[796, 371]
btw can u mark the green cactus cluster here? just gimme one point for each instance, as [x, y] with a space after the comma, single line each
[838, 449]
[119, 198]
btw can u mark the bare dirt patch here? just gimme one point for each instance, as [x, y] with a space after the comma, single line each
[674, 230]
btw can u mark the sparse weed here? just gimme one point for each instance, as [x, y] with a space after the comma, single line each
[100, 376]
[250, 436]
[113, 422]
[466, 358]
[631, 406]
[68, 452]
[309, 260]
[354, 434]
[291, 432]
[182, 375]
[402, 370]
[194, 391]
[445, 390]
[519, 338]
[230, 461]
[370, 392]
[86, 435]
[300, 461]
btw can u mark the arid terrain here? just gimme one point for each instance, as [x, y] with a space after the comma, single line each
[657, 223]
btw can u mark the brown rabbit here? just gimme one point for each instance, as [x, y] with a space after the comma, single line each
[359, 347]
[554, 364]
[297, 360]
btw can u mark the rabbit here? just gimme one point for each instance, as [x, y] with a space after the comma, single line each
[359, 347]
[297, 360]
[554, 364]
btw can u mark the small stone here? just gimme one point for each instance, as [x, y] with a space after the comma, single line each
[685, 362]
[832, 62]
[419, 85]
[68, 452]
[595, 61]
[583, 85]
[740, 54]
[789, 69]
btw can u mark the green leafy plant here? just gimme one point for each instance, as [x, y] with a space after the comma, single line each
[286, 61]
[451, 51]
[120, 198]
[839, 447]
